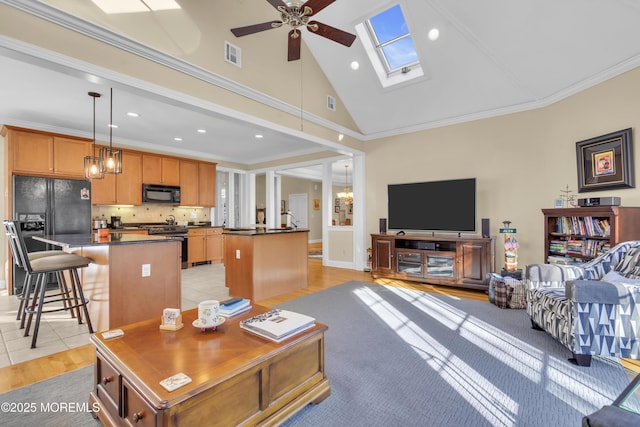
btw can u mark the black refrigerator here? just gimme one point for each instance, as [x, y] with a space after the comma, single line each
[46, 206]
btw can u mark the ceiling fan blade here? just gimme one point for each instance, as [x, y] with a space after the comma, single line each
[294, 45]
[256, 28]
[316, 5]
[331, 33]
[276, 3]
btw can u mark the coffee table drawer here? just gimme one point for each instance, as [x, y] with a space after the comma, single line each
[108, 382]
[135, 409]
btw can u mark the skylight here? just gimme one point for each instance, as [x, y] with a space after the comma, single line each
[387, 40]
[133, 6]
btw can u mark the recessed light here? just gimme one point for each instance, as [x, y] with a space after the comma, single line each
[340, 137]
[202, 131]
[434, 33]
[258, 136]
[132, 114]
[177, 139]
[355, 65]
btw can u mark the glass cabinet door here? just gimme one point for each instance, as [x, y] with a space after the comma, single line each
[440, 265]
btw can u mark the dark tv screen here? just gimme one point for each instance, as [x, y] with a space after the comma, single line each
[433, 206]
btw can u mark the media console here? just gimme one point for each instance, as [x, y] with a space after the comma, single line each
[440, 260]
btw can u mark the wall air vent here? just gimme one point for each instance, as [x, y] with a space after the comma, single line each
[331, 103]
[232, 54]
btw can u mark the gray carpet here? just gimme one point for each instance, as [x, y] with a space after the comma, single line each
[400, 357]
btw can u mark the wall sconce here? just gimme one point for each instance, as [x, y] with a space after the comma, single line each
[93, 164]
[111, 159]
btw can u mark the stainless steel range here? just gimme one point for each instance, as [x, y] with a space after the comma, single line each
[171, 230]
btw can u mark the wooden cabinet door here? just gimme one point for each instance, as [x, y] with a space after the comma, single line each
[68, 156]
[32, 152]
[470, 262]
[207, 184]
[196, 246]
[214, 245]
[129, 182]
[170, 171]
[188, 183]
[103, 191]
[383, 255]
[151, 169]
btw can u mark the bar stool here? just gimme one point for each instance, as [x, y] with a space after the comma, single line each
[38, 269]
[24, 296]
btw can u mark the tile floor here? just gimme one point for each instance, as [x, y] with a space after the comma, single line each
[59, 332]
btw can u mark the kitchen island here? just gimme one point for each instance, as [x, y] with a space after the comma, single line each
[262, 263]
[133, 277]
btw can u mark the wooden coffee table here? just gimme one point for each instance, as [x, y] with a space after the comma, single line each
[237, 378]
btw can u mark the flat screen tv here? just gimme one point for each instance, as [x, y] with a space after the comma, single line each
[433, 206]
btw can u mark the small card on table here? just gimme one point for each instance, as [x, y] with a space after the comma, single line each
[175, 381]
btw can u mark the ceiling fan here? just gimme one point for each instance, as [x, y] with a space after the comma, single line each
[296, 14]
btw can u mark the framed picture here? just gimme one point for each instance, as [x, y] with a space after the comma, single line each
[282, 206]
[350, 210]
[316, 204]
[558, 203]
[336, 209]
[337, 203]
[606, 162]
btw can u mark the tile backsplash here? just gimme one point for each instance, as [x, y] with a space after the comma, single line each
[150, 212]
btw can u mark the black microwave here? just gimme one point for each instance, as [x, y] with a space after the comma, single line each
[153, 193]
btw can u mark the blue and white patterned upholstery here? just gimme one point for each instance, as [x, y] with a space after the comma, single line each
[563, 300]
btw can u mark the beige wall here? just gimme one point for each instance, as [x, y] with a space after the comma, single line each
[341, 247]
[521, 161]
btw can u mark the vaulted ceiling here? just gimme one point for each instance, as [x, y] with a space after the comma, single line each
[493, 57]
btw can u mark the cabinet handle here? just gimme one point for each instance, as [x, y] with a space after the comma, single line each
[137, 416]
[107, 380]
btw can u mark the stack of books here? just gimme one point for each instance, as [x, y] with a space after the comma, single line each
[277, 325]
[234, 306]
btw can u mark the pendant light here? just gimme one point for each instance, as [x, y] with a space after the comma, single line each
[93, 164]
[111, 159]
[346, 195]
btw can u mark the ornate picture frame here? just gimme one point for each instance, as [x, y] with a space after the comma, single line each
[606, 162]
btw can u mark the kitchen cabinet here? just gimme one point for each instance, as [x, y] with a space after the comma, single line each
[160, 170]
[205, 245]
[45, 154]
[197, 183]
[188, 182]
[207, 184]
[120, 189]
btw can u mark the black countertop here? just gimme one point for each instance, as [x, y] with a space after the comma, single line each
[260, 231]
[79, 240]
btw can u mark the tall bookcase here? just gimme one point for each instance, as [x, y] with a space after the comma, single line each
[575, 235]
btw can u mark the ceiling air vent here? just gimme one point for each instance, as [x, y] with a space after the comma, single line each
[331, 103]
[232, 54]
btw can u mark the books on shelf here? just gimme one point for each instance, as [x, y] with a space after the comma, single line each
[582, 226]
[277, 325]
[234, 306]
[581, 247]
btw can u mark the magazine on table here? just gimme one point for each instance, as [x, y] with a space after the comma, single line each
[277, 325]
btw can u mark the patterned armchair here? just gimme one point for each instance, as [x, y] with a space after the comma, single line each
[592, 309]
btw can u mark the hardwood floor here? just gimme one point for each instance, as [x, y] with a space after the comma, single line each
[320, 278]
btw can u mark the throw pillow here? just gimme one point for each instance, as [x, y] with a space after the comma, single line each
[629, 262]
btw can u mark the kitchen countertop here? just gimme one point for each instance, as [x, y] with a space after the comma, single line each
[79, 240]
[259, 231]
